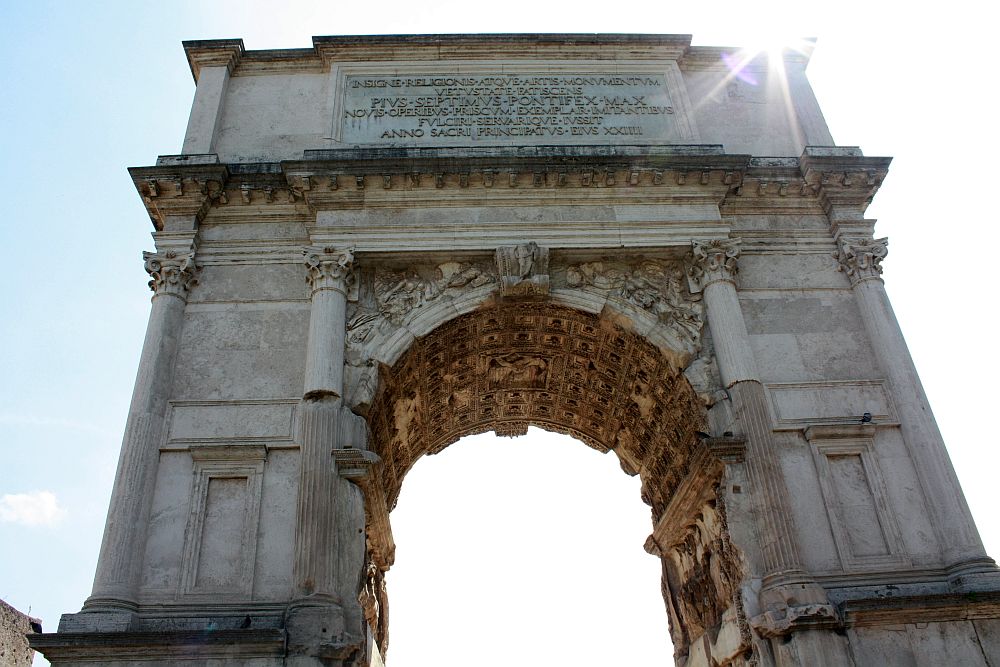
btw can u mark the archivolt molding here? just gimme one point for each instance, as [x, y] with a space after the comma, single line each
[394, 305]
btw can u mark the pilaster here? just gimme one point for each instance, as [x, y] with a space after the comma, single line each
[211, 64]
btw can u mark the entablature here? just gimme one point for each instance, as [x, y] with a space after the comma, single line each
[821, 180]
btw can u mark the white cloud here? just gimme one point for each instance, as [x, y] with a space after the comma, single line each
[39, 508]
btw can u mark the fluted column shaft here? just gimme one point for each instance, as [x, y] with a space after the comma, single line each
[119, 564]
[713, 272]
[860, 259]
[314, 569]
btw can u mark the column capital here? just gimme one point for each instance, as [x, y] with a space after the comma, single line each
[328, 267]
[861, 258]
[713, 261]
[172, 272]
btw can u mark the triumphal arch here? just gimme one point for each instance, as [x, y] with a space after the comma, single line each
[368, 249]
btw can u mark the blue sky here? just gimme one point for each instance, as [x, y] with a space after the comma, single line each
[92, 88]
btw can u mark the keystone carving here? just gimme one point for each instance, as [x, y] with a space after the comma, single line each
[523, 270]
[171, 272]
[860, 258]
[654, 286]
[328, 268]
[713, 261]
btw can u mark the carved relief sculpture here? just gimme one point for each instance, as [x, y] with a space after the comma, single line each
[860, 258]
[713, 260]
[523, 270]
[654, 286]
[328, 268]
[171, 272]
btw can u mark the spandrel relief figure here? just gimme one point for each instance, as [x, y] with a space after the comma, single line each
[455, 275]
[656, 287]
[400, 293]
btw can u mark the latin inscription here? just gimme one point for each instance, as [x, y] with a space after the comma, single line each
[502, 108]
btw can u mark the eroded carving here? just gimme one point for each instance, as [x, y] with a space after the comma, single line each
[328, 268]
[860, 258]
[711, 261]
[701, 586]
[504, 367]
[654, 286]
[397, 294]
[400, 293]
[375, 605]
[523, 270]
[171, 272]
[517, 371]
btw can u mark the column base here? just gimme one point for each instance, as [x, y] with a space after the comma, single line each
[974, 576]
[317, 631]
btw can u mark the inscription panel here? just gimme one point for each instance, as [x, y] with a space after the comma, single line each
[500, 108]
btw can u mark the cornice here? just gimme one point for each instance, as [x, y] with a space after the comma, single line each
[179, 190]
[491, 47]
[370, 48]
[213, 53]
[821, 179]
[714, 57]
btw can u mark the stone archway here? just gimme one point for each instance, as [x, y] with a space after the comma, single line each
[509, 365]
[842, 522]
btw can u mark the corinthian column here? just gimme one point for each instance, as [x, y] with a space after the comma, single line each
[861, 259]
[119, 565]
[316, 553]
[713, 272]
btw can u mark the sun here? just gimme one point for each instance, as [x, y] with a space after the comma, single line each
[775, 48]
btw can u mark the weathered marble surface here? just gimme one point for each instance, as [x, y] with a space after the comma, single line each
[331, 304]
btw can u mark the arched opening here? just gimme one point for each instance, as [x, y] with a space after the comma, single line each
[527, 551]
[506, 367]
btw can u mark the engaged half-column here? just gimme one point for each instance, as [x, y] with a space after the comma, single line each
[861, 259]
[315, 537]
[713, 271]
[120, 561]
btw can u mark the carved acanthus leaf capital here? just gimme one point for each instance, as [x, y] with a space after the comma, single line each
[861, 258]
[328, 268]
[713, 261]
[171, 272]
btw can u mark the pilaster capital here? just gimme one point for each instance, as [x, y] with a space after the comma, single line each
[328, 267]
[172, 272]
[713, 261]
[861, 258]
